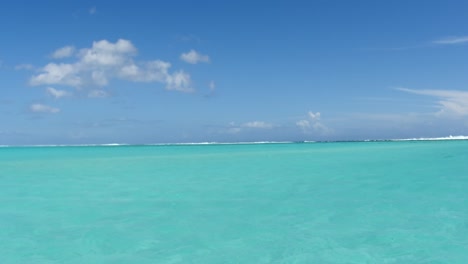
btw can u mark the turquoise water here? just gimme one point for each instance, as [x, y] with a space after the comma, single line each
[368, 202]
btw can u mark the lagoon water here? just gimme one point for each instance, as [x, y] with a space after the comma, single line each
[360, 202]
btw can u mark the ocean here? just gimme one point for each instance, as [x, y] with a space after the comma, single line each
[343, 202]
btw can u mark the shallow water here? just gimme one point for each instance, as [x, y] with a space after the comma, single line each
[362, 202]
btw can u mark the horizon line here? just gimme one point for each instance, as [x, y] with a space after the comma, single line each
[460, 137]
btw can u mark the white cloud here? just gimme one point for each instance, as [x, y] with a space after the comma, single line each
[64, 52]
[194, 57]
[450, 102]
[57, 93]
[99, 78]
[40, 108]
[321, 128]
[314, 116]
[303, 124]
[312, 124]
[153, 71]
[106, 54]
[97, 94]
[63, 74]
[452, 40]
[104, 61]
[92, 10]
[258, 124]
[25, 66]
[179, 81]
[234, 128]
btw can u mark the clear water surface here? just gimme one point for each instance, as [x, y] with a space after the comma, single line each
[363, 202]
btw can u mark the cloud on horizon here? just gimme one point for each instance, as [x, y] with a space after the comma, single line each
[104, 61]
[234, 128]
[313, 125]
[258, 124]
[452, 103]
[303, 124]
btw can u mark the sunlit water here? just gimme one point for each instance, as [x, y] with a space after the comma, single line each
[369, 202]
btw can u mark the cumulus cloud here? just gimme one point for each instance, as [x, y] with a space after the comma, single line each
[194, 57]
[451, 40]
[92, 10]
[303, 124]
[312, 124]
[57, 93]
[41, 108]
[321, 128]
[64, 52]
[179, 81]
[62, 74]
[104, 61]
[258, 124]
[314, 116]
[153, 71]
[107, 54]
[449, 102]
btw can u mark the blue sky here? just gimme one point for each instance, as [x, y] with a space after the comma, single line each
[77, 72]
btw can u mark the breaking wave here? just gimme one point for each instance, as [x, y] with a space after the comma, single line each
[433, 139]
